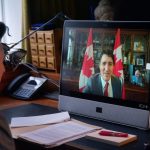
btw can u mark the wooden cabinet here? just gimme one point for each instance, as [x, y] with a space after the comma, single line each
[45, 48]
[135, 48]
[137, 93]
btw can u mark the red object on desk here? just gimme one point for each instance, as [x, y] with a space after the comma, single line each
[111, 133]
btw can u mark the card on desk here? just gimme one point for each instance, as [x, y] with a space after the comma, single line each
[117, 141]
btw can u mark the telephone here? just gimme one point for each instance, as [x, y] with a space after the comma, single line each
[26, 86]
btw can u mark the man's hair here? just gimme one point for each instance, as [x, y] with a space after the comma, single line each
[3, 46]
[2, 30]
[104, 10]
[109, 53]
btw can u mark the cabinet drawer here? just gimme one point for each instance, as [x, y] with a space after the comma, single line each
[51, 63]
[41, 49]
[35, 61]
[33, 38]
[34, 49]
[50, 50]
[40, 36]
[49, 37]
[42, 62]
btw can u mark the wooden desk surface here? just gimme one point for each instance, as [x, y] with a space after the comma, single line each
[8, 102]
[83, 143]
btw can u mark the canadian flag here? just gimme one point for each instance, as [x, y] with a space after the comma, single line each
[118, 68]
[88, 63]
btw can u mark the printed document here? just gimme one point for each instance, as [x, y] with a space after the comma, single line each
[57, 134]
[39, 120]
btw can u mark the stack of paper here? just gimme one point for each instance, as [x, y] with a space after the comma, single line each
[39, 120]
[57, 134]
[49, 130]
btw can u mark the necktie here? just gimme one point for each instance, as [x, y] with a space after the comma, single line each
[106, 89]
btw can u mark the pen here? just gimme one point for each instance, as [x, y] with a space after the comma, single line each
[111, 133]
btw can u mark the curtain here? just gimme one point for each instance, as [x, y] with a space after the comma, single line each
[25, 27]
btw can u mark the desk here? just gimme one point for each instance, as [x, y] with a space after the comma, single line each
[10, 110]
[136, 93]
[7, 102]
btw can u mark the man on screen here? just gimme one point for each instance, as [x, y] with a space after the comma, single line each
[105, 83]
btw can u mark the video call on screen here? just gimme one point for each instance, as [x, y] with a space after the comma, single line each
[135, 51]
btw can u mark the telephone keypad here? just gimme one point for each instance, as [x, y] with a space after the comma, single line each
[27, 88]
[24, 92]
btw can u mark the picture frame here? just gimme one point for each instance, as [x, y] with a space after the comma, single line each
[139, 61]
[138, 46]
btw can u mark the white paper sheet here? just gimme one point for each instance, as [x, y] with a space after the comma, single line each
[39, 120]
[58, 134]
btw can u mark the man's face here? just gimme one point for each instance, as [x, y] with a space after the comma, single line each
[106, 67]
[2, 68]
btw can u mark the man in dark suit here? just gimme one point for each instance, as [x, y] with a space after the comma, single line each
[105, 83]
[6, 140]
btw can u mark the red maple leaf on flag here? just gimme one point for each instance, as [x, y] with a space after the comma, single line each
[87, 66]
[118, 68]
[88, 63]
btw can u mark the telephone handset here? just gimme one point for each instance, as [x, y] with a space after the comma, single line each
[25, 86]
